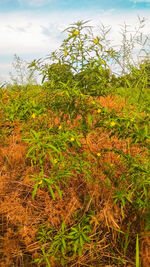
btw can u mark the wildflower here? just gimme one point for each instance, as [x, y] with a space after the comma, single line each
[55, 161]
[112, 124]
[132, 119]
[103, 62]
[99, 110]
[66, 53]
[72, 139]
[75, 32]
[40, 182]
[98, 154]
[95, 41]
[33, 116]
[60, 127]
[93, 102]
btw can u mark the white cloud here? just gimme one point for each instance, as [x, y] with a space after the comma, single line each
[34, 3]
[23, 34]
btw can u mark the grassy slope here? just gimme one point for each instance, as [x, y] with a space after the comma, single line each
[74, 179]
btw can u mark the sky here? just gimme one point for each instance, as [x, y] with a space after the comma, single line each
[32, 29]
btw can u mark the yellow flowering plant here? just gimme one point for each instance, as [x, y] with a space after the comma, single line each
[76, 32]
[83, 54]
[42, 181]
[95, 41]
[55, 161]
[65, 52]
[112, 124]
[33, 116]
[103, 62]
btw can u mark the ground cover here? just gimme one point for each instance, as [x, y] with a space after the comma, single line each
[74, 166]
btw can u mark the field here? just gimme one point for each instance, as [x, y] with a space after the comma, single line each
[74, 163]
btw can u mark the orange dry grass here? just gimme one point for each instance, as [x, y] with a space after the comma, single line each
[145, 249]
[19, 213]
[20, 216]
[112, 102]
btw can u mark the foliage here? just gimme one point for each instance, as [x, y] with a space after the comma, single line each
[81, 62]
[64, 244]
[74, 159]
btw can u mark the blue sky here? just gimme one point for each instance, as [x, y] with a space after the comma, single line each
[18, 5]
[33, 28]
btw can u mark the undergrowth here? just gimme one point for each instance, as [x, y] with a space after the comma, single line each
[74, 162]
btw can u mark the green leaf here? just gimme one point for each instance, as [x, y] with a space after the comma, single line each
[53, 148]
[51, 191]
[146, 130]
[58, 190]
[81, 241]
[64, 243]
[117, 230]
[86, 238]
[30, 150]
[51, 158]
[47, 261]
[128, 197]
[35, 190]
[71, 236]
[76, 243]
[73, 229]
[63, 226]
[80, 251]
[89, 118]
[78, 142]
